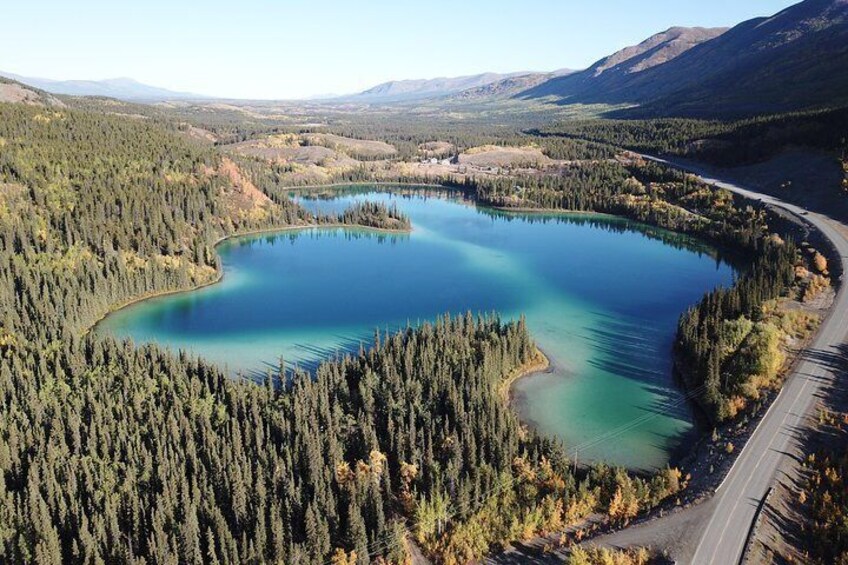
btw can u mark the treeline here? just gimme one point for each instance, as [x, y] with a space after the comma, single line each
[829, 506]
[375, 215]
[725, 143]
[407, 135]
[606, 556]
[660, 136]
[727, 353]
[97, 209]
[121, 454]
[538, 497]
[824, 494]
[581, 187]
[117, 454]
[642, 191]
[758, 139]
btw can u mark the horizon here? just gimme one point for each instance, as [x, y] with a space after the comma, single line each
[155, 44]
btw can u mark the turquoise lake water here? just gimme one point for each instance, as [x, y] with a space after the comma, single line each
[601, 296]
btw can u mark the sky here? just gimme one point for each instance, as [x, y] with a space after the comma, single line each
[277, 49]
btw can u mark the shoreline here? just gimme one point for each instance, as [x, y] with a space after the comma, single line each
[219, 272]
[540, 362]
[484, 206]
[478, 203]
[367, 183]
[553, 211]
[537, 364]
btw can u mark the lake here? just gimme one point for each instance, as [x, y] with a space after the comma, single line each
[601, 295]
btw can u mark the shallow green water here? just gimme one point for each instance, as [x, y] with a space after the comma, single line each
[601, 297]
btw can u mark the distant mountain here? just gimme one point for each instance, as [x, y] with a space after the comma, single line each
[120, 88]
[795, 59]
[399, 90]
[507, 87]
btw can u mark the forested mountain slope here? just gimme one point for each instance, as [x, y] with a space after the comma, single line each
[97, 209]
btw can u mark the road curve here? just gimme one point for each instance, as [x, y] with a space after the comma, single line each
[769, 448]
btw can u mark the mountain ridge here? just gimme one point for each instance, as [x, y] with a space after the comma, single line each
[794, 59]
[122, 88]
[611, 71]
[412, 89]
[509, 86]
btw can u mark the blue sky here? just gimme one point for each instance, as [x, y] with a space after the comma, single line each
[299, 48]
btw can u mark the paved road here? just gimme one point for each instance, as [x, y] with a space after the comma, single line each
[769, 448]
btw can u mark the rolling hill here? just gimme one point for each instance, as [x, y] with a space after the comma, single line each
[15, 92]
[797, 58]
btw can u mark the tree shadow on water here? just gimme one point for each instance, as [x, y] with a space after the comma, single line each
[314, 358]
[639, 352]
